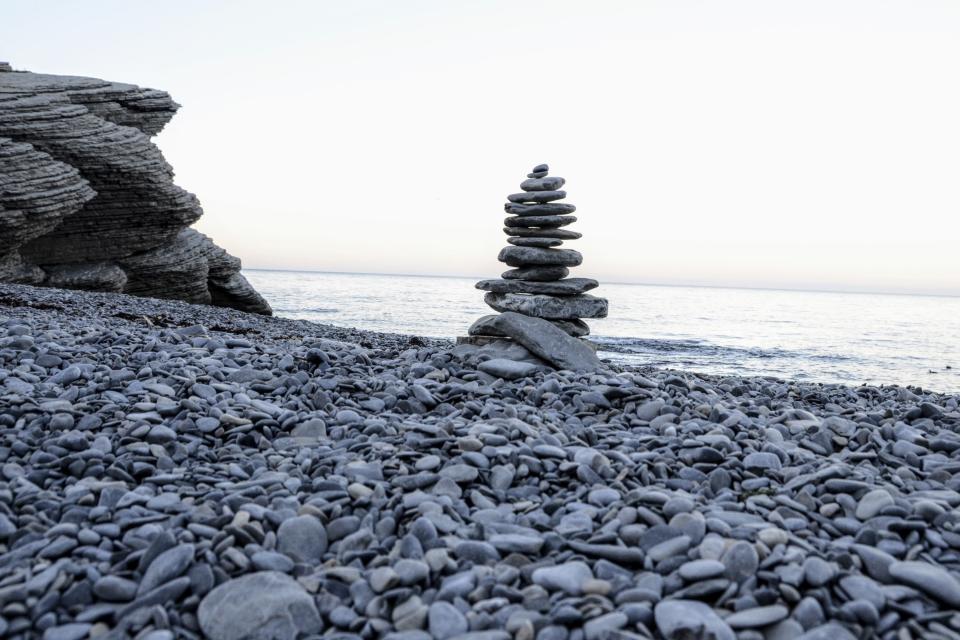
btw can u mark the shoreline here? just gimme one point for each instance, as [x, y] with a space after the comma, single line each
[866, 292]
[161, 459]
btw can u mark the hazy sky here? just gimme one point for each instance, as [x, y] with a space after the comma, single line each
[800, 143]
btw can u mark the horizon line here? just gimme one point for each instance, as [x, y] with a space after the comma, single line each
[634, 284]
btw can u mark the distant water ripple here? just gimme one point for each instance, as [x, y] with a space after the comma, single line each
[812, 336]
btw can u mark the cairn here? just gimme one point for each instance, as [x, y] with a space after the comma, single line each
[537, 284]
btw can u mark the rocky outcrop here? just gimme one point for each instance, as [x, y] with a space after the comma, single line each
[87, 201]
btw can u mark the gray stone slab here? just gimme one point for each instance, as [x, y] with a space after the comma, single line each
[548, 307]
[543, 243]
[539, 274]
[534, 256]
[507, 369]
[551, 183]
[523, 232]
[544, 209]
[537, 196]
[485, 329]
[545, 340]
[539, 221]
[565, 287]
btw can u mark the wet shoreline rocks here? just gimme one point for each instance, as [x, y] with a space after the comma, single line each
[162, 463]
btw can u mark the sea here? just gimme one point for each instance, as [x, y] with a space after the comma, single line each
[810, 336]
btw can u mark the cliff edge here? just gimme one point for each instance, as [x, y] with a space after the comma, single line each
[87, 201]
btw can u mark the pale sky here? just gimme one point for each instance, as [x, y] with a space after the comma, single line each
[772, 143]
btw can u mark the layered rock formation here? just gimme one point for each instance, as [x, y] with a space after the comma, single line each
[87, 201]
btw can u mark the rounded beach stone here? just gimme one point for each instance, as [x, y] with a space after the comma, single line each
[873, 502]
[761, 461]
[166, 566]
[260, 605]
[544, 209]
[701, 570]
[817, 571]
[302, 538]
[757, 617]
[445, 621]
[690, 619]
[935, 581]
[507, 369]
[741, 561]
[568, 577]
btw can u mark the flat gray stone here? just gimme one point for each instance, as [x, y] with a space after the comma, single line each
[565, 287]
[445, 621]
[71, 631]
[550, 222]
[876, 561]
[741, 561]
[701, 570]
[543, 243]
[602, 626]
[537, 196]
[259, 606]
[761, 461]
[523, 232]
[538, 274]
[863, 588]
[568, 577]
[873, 502]
[935, 581]
[817, 571]
[757, 617]
[516, 543]
[534, 256]
[165, 567]
[682, 619]
[548, 342]
[549, 307]
[507, 369]
[551, 183]
[544, 209]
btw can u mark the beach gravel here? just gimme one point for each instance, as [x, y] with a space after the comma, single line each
[178, 471]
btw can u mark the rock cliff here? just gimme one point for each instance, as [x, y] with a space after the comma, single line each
[87, 201]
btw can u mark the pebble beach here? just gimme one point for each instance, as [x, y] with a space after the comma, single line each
[170, 470]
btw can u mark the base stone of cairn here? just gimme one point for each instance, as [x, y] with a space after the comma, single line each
[540, 307]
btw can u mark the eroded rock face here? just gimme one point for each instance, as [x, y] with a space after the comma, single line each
[88, 201]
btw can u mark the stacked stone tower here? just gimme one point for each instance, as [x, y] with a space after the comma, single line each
[537, 285]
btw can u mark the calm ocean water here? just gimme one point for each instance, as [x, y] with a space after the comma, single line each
[813, 336]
